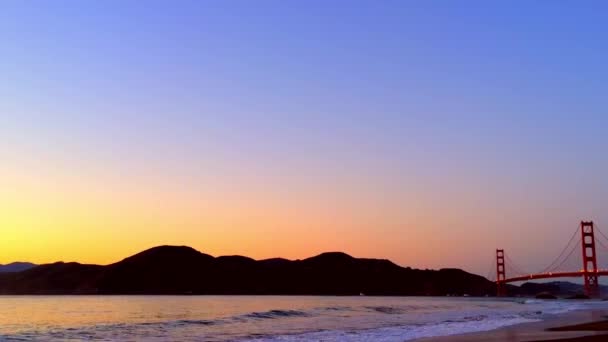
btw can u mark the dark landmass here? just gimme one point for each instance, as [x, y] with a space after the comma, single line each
[598, 328]
[183, 270]
[16, 267]
[561, 289]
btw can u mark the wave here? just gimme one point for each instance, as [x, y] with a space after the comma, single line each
[335, 308]
[389, 310]
[384, 319]
[488, 317]
[401, 333]
[196, 322]
[272, 314]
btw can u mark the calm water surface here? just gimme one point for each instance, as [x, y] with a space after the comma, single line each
[262, 318]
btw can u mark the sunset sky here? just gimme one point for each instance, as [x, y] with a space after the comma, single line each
[425, 132]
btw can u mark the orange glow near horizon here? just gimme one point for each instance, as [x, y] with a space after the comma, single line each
[93, 217]
[88, 213]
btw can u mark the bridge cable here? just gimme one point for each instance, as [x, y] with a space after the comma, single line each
[556, 260]
[599, 241]
[569, 255]
[511, 265]
[605, 248]
[602, 234]
[491, 274]
[601, 244]
[514, 266]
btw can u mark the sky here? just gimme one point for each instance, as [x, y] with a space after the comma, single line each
[425, 132]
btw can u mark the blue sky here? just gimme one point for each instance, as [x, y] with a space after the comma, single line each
[487, 117]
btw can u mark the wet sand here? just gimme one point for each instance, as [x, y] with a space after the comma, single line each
[587, 325]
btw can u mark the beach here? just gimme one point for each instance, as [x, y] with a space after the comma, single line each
[580, 325]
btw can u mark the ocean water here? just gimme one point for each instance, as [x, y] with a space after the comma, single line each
[263, 318]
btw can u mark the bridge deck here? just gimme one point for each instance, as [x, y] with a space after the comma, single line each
[552, 275]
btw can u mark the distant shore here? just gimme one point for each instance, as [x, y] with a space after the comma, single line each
[581, 325]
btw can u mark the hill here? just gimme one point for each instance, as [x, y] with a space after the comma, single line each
[16, 267]
[556, 288]
[183, 270]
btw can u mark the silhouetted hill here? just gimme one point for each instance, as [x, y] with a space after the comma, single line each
[57, 278]
[274, 261]
[16, 267]
[331, 257]
[556, 288]
[164, 269]
[183, 270]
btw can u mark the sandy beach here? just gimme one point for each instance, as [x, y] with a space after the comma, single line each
[584, 325]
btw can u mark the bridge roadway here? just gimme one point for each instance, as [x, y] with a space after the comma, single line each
[553, 275]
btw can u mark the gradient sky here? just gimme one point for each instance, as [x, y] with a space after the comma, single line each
[426, 132]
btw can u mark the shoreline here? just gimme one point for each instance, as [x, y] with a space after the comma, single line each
[578, 325]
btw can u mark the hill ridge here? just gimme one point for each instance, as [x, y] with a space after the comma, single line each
[184, 270]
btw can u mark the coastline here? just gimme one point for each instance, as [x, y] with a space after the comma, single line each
[578, 325]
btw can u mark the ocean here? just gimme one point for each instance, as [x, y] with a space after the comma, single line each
[264, 318]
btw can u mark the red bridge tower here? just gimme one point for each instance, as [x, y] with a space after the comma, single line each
[592, 287]
[501, 286]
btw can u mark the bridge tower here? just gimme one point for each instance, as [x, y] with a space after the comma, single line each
[592, 287]
[501, 286]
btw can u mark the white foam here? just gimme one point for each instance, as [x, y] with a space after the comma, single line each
[444, 323]
[401, 333]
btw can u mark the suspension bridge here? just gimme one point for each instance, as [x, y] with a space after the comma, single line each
[568, 264]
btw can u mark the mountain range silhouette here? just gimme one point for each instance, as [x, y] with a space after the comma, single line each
[184, 270]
